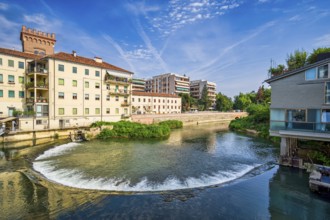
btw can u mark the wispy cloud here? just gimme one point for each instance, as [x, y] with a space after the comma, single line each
[50, 10]
[119, 50]
[181, 13]
[295, 18]
[323, 41]
[42, 22]
[4, 6]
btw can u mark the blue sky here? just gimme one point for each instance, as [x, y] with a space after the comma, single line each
[230, 42]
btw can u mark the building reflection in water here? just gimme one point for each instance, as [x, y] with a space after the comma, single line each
[290, 197]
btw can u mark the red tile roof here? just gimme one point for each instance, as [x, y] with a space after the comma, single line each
[87, 61]
[137, 93]
[18, 53]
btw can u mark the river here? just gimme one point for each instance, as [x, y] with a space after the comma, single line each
[200, 172]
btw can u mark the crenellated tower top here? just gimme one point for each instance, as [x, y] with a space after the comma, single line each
[37, 42]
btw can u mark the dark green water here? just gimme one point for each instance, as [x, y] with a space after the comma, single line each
[199, 173]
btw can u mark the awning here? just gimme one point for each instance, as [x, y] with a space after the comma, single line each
[4, 120]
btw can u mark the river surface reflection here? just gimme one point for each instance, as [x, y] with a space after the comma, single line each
[268, 191]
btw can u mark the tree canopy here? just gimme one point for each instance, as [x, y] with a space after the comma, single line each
[296, 59]
[223, 102]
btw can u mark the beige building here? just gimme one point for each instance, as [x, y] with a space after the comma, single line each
[138, 85]
[197, 86]
[168, 83]
[60, 90]
[155, 103]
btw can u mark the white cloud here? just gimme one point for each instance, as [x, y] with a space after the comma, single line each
[263, 1]
[181, 13]
[323, 41]
[41, 22]
[295, 18]
[3, 6]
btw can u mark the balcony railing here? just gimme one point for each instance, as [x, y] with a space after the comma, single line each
[119, 92]
[40, 85]
[125, 104]
[38, 100]
[38, 70]
[300, 126]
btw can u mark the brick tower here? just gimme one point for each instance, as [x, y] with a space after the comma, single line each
[37, 42]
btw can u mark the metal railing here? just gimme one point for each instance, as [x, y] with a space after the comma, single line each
[300, 126]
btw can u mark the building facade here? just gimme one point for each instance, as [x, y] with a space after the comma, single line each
[196, 90]
[155, 103]
[60, 90]
[138, 85]
[300, 105]
[169, 83]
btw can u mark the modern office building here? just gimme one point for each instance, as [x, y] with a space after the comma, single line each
[169, 83]
[196, 90]
[138, 85]
[155, 103]
[57, 90]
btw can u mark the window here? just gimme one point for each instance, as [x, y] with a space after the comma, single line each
[61, 95]
[86, 96]
[39, 122]
[144, 100]
[296, 115]
[11, 63]
[97, 111]
[117, 98]
[1, 78]
[325, 116]
[61, 111]
[61, 82]
[117, 111]
[139, 100]
[74, 69]
[21, 79]
[0, 61]
[86, 84]
[108, 111]
[74, 96]
[1, 93]
[327, 93]
[11, 94]
[125, 89]
[97, 85]
[97, 97]
[108, 97]
[108, 86]
[74, 83]
[74, 111]
[61, 67]
[132, 99]
[21, 94]
[86, 72]
[97, 73]
[20, 65]
[322, 72]
[125, 111]
[86, 111]
[11, 79]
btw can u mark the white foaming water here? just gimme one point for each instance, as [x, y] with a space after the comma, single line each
[57, 151]
[74, 178]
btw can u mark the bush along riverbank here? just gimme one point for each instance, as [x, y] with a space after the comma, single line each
[133, 130]
[257, 120]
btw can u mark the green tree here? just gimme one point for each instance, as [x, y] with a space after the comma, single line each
[223, 102]
[187, 102]
[312, 58]
[205, 101]
[275, 71]
[242, 101]
[296, 60]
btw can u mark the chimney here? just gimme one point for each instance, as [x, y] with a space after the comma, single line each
[98, 59]
[74, 53]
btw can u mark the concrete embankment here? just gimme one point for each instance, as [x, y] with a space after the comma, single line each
[190, 118]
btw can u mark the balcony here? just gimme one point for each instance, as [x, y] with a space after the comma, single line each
[117, 80]
[38, 100]
[39, 70]
[121, 92]
[40, 85]
[125, 104]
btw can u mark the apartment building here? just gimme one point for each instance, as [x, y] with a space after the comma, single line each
[169, 83]
[196, 89]
[138, 85]
[155, 103]
[57, 90]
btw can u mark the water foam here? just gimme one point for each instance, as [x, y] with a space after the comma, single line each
[76, 179]
[57, 151]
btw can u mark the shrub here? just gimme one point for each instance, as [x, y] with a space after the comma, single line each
[172, 124]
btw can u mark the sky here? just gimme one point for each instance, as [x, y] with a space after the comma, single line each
[229, 42]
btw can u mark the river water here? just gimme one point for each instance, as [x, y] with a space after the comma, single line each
[200, 172]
